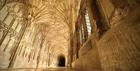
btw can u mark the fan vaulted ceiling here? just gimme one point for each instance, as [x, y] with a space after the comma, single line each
[51, 24]
[55, 19]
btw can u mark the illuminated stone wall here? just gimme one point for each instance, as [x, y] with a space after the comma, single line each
[118, 48]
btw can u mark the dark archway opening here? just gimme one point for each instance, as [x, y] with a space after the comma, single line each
[61, 61]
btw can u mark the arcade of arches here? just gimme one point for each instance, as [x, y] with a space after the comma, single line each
[69, 35]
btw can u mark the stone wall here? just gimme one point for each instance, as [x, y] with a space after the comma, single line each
[120, 47]
[88, 62]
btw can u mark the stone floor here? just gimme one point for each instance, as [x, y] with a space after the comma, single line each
[47, 69]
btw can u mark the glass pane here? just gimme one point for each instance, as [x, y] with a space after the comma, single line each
[88, 24]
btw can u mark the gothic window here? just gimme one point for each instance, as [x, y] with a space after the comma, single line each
[10, 25]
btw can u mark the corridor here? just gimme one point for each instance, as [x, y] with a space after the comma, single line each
[69, 35]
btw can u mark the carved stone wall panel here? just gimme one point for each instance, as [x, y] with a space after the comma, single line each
[3, 13]
[1, 34]
[15, 24]
[5, 42]
[10, 45]
[18, 28]
[8, 20]
[4, 59]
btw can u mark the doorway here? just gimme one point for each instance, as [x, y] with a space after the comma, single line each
[61, 61]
